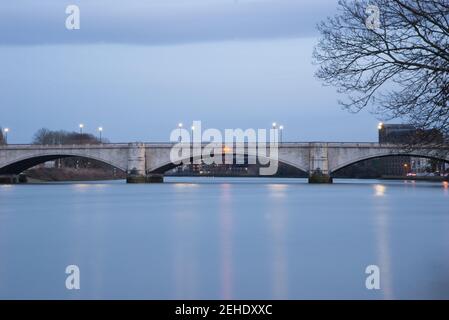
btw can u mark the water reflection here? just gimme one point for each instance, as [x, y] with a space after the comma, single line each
[383, 243]
[224, 239]
[6, 187]
[82, 187]
[277, 222]
[277, 190]
[226, 245]
[379, 190]
[184, 185]
[185, 262]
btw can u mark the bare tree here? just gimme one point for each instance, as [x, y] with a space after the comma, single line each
[42, 136]
[45, 136]
[398, 68]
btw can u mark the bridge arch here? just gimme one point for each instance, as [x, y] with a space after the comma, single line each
[18, 165]
[168, 165]
[386, 155]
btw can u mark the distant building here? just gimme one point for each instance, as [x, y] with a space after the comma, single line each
[421, 165]
[408, 134]
[232, 170]
[398, 165]
[50, 164]
[396, 133]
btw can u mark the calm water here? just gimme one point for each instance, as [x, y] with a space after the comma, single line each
[198, 238]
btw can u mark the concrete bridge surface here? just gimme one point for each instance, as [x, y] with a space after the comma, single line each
[147, 162]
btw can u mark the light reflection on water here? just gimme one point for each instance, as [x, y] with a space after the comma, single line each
[223, 238]
[226, 258]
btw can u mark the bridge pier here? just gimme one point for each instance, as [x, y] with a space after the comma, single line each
[154, 178]
[319, 163]
[319, 177]
[149, 178]
[135, 179]
[137, 166]
[136, 172]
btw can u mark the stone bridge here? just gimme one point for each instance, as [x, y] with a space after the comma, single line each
[147, 162]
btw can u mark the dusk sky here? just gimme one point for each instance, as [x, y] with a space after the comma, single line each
[137, 68]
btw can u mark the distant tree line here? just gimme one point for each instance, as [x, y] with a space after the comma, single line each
[46, 136]
[50, 137]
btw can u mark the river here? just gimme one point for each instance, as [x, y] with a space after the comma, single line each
[225, 238]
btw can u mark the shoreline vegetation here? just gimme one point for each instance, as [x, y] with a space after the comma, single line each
[72, 174]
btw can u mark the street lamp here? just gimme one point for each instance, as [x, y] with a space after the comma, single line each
[6, 130]
[274, 125]
[100, 130]
[81, 128]
[192, 128]
[281, 128]
[406, 168]
[381, 132]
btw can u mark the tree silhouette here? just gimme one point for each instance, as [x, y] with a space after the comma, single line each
[398, 68]
[45, 136]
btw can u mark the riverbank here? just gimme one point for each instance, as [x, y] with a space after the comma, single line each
[72, 174]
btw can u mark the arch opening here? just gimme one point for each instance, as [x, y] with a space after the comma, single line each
[285, 169]
[21, 166]
[387, 165]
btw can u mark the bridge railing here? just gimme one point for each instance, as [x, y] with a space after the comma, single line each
[204, 143]
[168, 142]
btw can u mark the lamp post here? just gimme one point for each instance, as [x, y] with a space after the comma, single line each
[81, 132]
[406, 168]
[281, 128]
[192, 129]
[380, 127]
[6, 130]
[180, 128]
[274, 126]
[100, 130]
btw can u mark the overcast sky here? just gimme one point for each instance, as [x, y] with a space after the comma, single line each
[137, 68]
